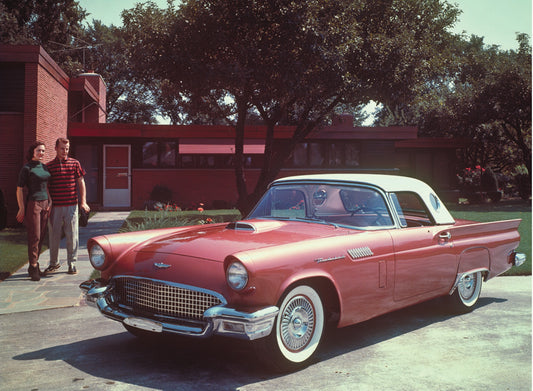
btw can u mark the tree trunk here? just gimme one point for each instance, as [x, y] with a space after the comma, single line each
[240, 178]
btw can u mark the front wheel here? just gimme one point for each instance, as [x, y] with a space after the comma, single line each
[297, 331]
[467, 292]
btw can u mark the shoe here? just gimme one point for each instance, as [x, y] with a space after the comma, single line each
[72, 270]
[51, 268]
[34, 273]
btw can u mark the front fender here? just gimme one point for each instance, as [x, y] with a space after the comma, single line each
[268, 284]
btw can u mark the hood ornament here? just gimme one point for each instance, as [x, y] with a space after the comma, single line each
[161, 265]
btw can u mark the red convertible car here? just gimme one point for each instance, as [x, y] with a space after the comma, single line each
[316, 249]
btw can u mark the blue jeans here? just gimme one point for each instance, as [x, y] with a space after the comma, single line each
[63, 219]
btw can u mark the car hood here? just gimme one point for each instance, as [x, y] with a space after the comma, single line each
[215, 242]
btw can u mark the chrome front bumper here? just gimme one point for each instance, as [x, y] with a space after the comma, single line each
[220, 320]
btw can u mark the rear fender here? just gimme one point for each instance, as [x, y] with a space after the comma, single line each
[474, 258]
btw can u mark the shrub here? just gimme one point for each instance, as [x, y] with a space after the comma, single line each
[161, 193]
[524, 186]
[488, 181]
[162, 219]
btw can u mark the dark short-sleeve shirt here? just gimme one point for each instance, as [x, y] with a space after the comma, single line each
[62, 184]
[35, 176]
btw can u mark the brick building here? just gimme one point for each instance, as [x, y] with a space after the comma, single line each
[124, 162]
[37, 100]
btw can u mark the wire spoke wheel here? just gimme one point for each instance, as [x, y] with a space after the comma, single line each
[467, 292]
[467, 286]
[297, 323]
[300, 324]
[297, 331]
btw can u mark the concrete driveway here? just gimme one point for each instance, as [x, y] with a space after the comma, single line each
[418, 348]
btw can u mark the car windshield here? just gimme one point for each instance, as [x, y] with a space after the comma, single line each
[350, 206]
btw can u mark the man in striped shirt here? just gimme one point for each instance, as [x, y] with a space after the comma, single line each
[66, 181]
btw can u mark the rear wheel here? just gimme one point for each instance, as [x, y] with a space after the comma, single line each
[297, 331]
[467, 292]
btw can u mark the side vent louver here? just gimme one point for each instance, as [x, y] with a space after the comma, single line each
[360, 252]
[240, 226]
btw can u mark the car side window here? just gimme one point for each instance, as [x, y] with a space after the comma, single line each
[411, 210]
[366, 207]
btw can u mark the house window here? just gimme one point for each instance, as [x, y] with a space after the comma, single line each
[168, 154]
[351, 155]
[331, 155]
[316, 155]
[335, 155]
[149, 154]
[299, 156]
[159, 154]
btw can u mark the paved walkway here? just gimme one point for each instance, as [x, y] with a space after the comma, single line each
[19, 294]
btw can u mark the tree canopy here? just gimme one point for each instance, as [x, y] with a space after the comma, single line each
[55, 25]
[289, 62]
[485, 97]
[282, 62]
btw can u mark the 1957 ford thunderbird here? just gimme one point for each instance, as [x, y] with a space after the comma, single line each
[316, 249]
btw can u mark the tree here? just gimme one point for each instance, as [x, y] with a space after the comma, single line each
[501, 106]
[54, 25]
[127, 100]
[486, 98]
[289, 62]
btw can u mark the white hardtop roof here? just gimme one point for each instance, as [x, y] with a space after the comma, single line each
[389, 184]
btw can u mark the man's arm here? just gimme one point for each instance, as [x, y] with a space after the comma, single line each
[83, 192]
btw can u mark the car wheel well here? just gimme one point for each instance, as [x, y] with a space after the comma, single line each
[327, 292]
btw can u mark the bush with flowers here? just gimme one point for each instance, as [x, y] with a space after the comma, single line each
[168, 207]
[479, 184]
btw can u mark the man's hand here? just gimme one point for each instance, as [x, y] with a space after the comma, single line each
[85, 207]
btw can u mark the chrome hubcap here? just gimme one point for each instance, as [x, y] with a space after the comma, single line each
[297, 324]
[467, 286]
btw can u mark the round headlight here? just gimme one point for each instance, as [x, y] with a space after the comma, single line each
[97, 256]
[237, 276]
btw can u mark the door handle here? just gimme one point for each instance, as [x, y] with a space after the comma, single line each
[444, 237]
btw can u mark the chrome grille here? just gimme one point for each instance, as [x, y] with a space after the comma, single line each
[157, 297]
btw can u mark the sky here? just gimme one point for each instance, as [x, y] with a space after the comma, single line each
[497, 21]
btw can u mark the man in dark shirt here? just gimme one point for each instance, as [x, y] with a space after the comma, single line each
[67, 179]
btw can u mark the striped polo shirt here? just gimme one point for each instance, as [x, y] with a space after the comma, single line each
[63, 183]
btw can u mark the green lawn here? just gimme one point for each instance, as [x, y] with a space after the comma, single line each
[14, 250]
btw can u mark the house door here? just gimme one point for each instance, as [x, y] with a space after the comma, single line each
[117, 174]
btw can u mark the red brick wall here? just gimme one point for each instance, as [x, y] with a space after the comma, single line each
[44, 118]
[96, 113]
[51, 113]
[11, 158]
